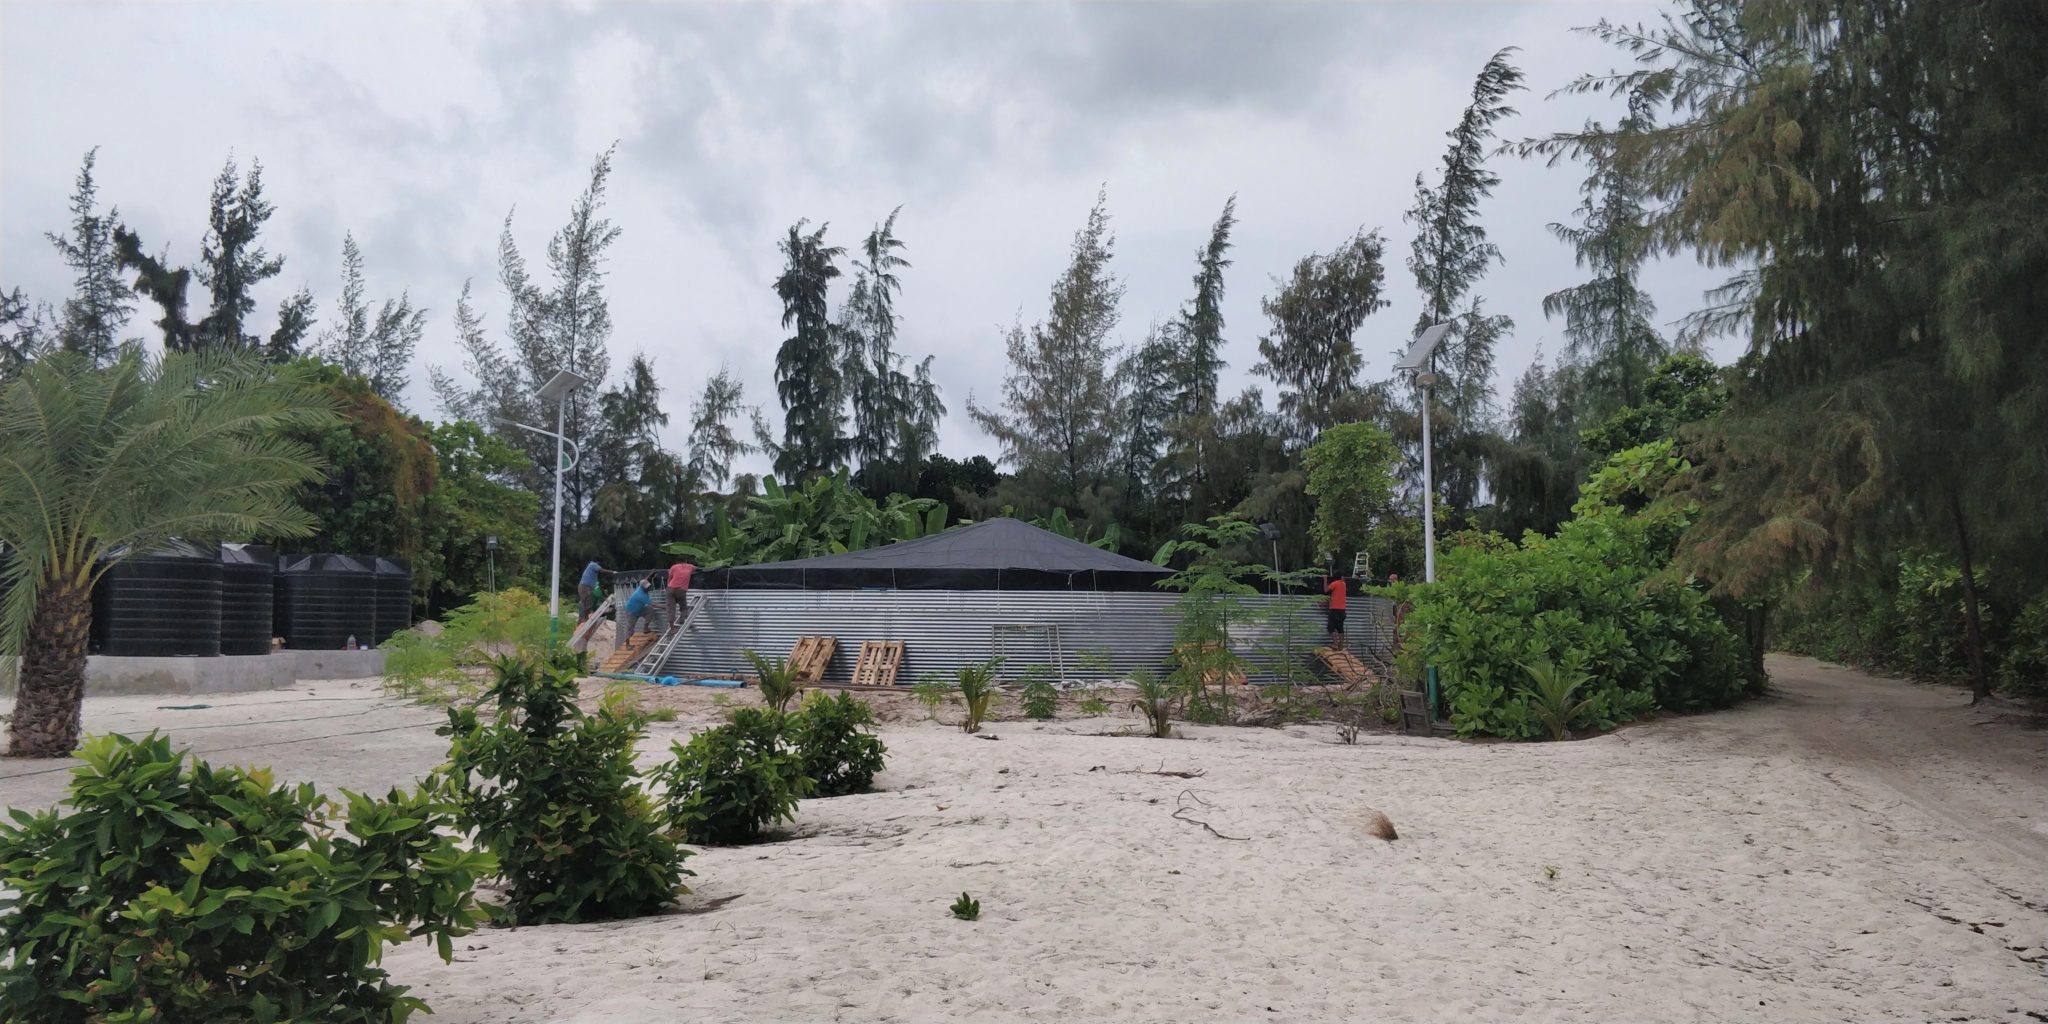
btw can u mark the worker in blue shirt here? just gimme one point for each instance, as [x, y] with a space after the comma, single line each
[636, 608]
[586, 591]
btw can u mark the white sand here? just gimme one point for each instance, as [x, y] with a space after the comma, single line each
[1853, 849]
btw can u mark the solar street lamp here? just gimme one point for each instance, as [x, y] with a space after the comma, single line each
[556, 390]
[1420, 360]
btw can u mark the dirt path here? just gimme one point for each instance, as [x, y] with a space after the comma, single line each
[1981, 770]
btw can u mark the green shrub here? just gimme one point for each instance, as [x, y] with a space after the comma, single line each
[1093, 705]
[435, 665]
[1553, 699]
[169, 890]
[932, 693]
[838, 756]
[1597, 593]
[977, 684]
[776, 679]
[1039, 698]
[1157, 698]
[2023, 669]
[734, 780]
[966, 908]
[553, 792]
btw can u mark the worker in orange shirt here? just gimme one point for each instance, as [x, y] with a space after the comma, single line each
[1337, 589]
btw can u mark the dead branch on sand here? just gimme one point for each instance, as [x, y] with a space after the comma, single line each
[1181, 808]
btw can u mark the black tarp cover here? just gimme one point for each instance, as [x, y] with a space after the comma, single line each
[994, 554]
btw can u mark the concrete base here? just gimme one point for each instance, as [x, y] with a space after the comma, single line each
[336, 664]
[106, 676]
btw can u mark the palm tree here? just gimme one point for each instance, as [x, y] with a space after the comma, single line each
[96, 464]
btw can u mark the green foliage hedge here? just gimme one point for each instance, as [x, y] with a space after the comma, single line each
[1909, 618]
[1596, 598]
[553, 792]
[169, 890]
[426, 663]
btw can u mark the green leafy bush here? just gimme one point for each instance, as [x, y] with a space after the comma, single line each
[977, 684]
[165, 889]
[732, 781]
[1093, 705]
[838, 755]
[1039, 698]
[776, 679]
[553, 792]
[1596, 592]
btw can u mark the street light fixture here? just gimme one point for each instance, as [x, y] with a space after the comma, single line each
[1420, 360]
[556, 390]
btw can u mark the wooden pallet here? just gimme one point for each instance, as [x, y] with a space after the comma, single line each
[629, 653]
[879, 660]
[1213, 676]
[1415, 718]
[810, 656]
[1347, 666]
[1414, 713]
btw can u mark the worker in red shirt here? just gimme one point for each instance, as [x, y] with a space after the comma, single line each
[1337, 589]
[679, 589]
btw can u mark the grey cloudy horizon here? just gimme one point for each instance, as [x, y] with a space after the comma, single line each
[418, 126]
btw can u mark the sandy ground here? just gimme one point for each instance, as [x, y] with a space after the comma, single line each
[1848, 849]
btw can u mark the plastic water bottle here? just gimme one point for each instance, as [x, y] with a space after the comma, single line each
[351, 641]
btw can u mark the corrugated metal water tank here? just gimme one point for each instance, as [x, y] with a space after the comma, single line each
[1071, 635]
[322, 600]
[246, 595]
[394, 598]
[164, 604]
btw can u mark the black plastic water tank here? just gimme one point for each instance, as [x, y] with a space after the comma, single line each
[394, 597]
[246, 592]
[163, 604]
[322, 600]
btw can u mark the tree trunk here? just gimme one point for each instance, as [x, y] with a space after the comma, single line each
[1973, 634]
[50, 687]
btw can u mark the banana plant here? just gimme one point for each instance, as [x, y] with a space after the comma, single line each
[1058, 523]
[825, 516]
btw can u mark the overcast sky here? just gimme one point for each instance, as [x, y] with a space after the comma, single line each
[418, 126]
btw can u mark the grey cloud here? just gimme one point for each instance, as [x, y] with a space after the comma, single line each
[418, 126]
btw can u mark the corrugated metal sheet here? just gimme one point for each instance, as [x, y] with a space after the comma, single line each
[1076, 636]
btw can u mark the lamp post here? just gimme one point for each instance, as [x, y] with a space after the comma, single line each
[1272, 534]
[1421, 360]
[557, 389]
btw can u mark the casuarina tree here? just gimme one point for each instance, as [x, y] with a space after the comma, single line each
[808, 377]
[99, 305]
[1450, 255]
[1059, 394]
[100, 463]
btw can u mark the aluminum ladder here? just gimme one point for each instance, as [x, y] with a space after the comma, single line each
[651, 662]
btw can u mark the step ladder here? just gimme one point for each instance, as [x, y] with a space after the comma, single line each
[658, 655]
[580, 639]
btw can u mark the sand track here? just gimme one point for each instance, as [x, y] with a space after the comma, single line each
[1849, 848]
